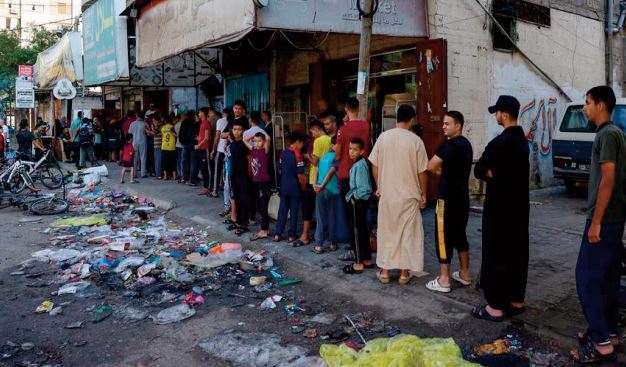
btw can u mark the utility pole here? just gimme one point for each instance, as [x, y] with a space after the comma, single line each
[367, 14]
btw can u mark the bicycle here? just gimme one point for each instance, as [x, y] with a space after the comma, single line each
[37, 203]
[24, 172]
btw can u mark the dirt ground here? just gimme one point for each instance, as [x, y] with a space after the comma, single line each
[231, 305]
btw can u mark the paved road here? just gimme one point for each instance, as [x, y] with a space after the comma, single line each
[553, 317]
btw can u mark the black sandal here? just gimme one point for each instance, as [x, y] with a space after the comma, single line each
[347, 256]
[480, 312]
[233, 227]
[349, 269]
[318, 249]
[228, 221]
[298, 243]
[514, 311]
[587, 353]
[241, 230]
[332, 248]
[278, 238]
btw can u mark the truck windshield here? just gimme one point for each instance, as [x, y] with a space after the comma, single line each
[575, 121]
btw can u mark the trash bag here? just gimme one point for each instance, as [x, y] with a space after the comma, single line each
[400, 351]
[173, 314]
[100, 170]
[94, 220]
[338, 356]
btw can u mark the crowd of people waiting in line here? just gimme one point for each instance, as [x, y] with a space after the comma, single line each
[352, 187]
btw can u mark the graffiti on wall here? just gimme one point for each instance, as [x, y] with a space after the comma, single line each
[539, 118]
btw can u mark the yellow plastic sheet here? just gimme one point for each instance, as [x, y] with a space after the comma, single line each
[399, 351]
[94, 220]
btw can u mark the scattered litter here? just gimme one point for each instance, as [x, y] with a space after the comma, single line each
[256, 281]
[27, 346]
[270, 302]
[193, 299]
[291, 308]
[17, 273]
[56, 311]
[73, 288]
[30, 220]
[74, 325]
[323, 318]
[257, 349]
[174, 314]
[44, 307]
[286, 282]
[102, 313]
[310, 333]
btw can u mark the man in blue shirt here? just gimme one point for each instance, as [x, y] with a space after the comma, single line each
[74, 127]
[292, 182]
[327, 189]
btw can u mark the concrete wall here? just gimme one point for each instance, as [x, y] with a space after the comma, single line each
[571, 52]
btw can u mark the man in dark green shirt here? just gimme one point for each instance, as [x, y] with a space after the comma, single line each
[599, 260]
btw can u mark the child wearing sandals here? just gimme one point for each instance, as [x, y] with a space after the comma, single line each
[128, 156]
[358, 200]
[292, 182]
[259, 165]
[327, 189]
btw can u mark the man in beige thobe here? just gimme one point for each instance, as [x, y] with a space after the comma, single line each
[400, 168]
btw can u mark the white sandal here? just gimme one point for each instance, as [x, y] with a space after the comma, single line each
[434, 285]
[457, 276]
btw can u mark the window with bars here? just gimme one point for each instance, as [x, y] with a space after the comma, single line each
[508, 12]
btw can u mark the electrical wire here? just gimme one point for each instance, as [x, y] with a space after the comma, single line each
[264, 47]
[364, 14]
[314, 48]
[35, 26]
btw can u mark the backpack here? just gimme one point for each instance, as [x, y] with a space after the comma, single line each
[85, 134]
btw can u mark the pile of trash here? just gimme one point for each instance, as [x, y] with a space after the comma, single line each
[513, 350]
[399, 351]
[117, 243]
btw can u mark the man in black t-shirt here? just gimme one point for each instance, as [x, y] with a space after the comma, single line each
[239, 178]
[453, 163]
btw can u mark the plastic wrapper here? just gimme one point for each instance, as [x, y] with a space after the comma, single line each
[94, 220]
[399, 351]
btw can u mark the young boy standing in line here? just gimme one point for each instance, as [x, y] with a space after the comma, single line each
[168, 148]
[128, 156]
[239, 178]
[259, 165]
[327, 189]
[292, 183]
[358, 199]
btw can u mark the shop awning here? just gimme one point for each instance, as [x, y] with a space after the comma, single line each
[64, 60]
[169, 28]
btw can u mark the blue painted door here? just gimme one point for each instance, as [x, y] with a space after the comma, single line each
[254, 90]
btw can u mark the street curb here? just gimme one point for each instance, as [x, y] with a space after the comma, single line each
[166, 205]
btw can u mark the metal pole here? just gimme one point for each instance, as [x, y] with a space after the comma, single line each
[609, 43]
[364, 58]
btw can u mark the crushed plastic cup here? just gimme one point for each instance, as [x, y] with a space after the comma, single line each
[193, 299]
[45, 307]
[130, 262]
[255, 281]
[173, 314]
[270, 302]
[146, 269]
[73, 288]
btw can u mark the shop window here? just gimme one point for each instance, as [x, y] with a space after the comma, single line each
[508, 12]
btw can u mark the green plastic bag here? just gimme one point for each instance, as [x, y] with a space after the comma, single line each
[338, 356]
[94, 220]
[399, 351]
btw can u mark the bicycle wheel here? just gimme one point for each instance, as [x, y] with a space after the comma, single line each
[5, 201]
[51, 177]
[49, 206]
[17, 184]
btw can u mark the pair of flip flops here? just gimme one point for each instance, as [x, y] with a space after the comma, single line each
[298, 243]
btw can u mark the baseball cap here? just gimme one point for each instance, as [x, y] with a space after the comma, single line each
[508, 104]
